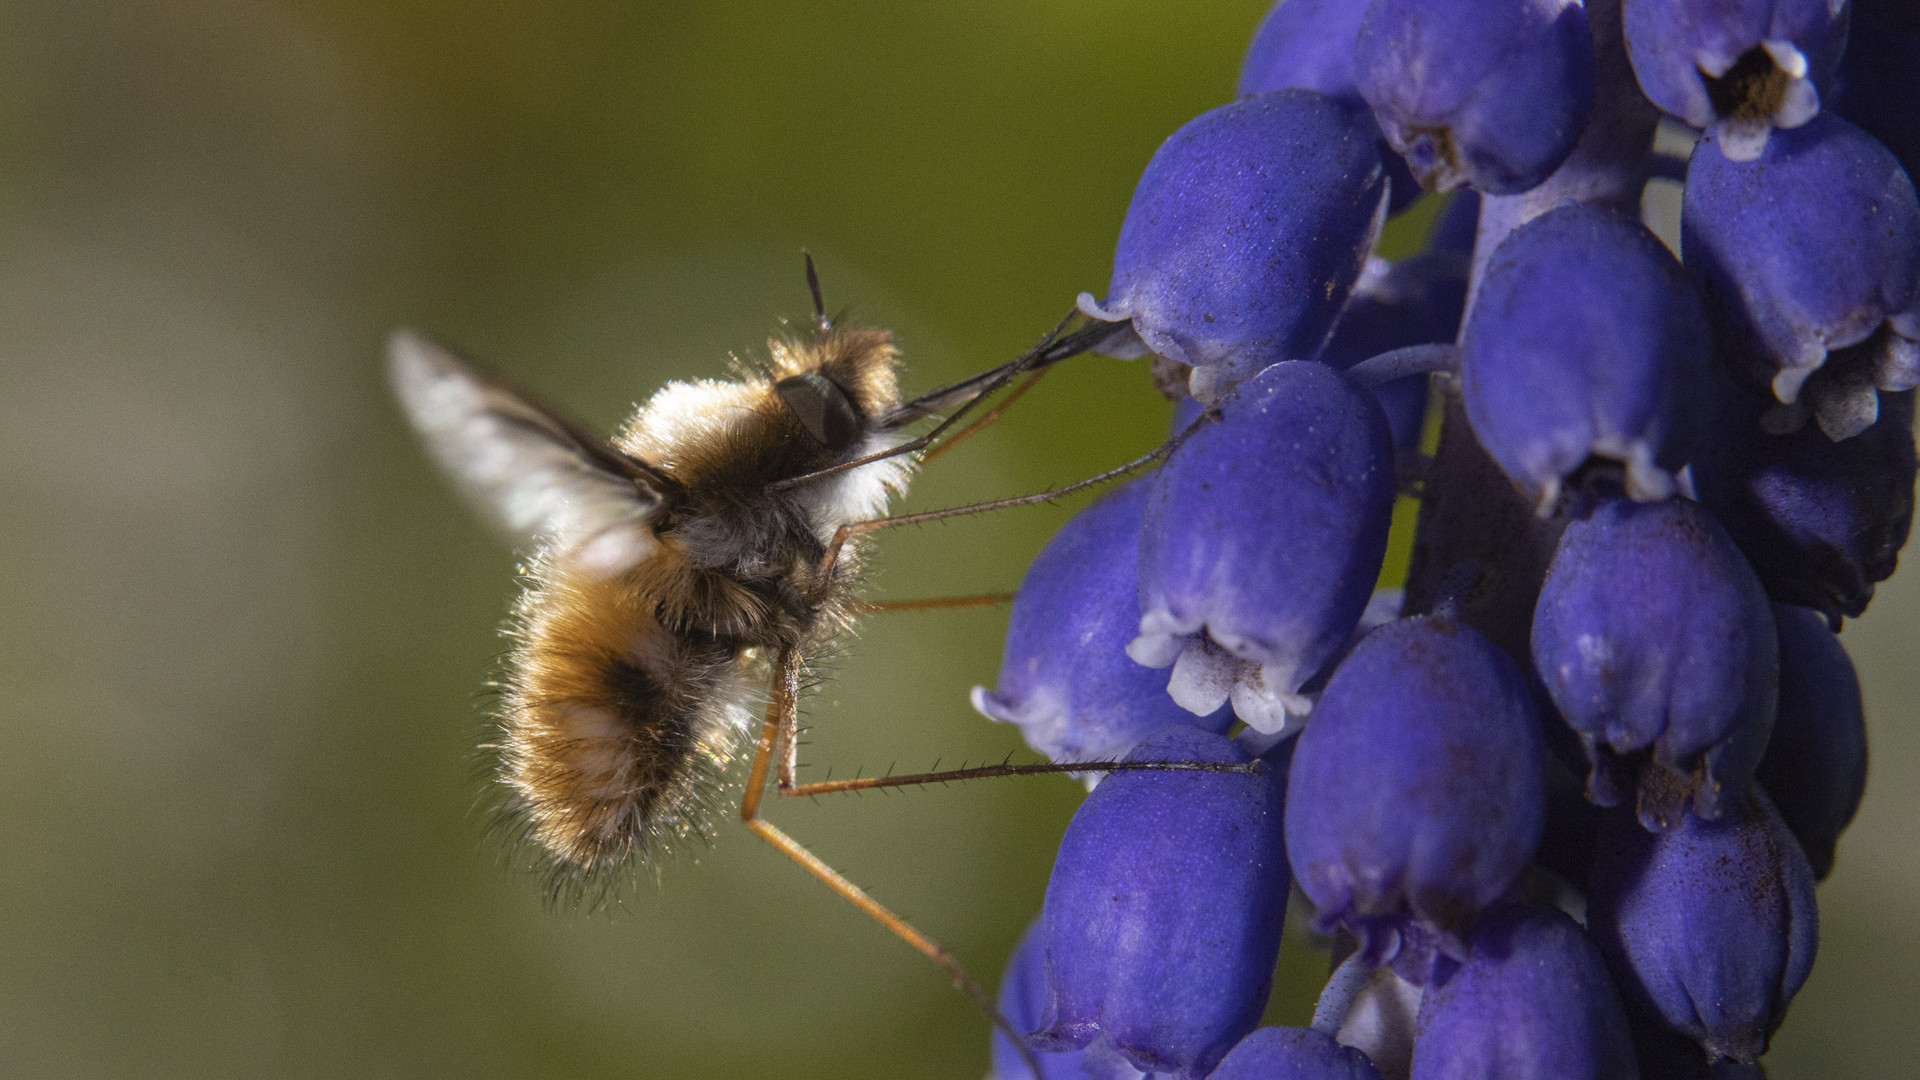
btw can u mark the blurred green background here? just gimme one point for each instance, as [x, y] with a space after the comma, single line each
[246, 629]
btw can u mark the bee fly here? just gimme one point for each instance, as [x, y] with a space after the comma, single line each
[712, 542]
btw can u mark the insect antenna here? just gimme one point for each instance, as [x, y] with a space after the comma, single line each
[821, 323]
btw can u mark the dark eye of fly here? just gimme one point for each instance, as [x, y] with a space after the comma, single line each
[822, 408]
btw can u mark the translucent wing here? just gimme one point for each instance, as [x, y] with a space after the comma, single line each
[537, 476]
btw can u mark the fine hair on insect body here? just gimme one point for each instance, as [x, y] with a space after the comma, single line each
[713, 542]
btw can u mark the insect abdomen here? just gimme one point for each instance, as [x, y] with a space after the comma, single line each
[616, 733]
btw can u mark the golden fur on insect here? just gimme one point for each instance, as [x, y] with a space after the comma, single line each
[626, 698]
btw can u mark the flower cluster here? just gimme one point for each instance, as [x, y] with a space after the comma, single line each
[1561, 800]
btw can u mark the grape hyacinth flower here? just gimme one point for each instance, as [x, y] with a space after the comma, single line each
[1492, 93]
[1416, 793]
[1066, 679]
[1263, 537]
[1658, 487]
[1534, 999]
[1739, 68]
[1163, 916]
[1821, 521]
[1809, 258]
[1709, 929]
[1586, 340]
[1658, 646]
[1274, 1053]
[1245, 234]
[1308, 45]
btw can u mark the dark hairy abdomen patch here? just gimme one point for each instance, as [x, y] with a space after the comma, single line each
[617, 733]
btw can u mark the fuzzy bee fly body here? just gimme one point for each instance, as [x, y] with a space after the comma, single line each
[705, 545]
[665, 565]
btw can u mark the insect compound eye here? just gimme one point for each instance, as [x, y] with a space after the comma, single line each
[822, 408]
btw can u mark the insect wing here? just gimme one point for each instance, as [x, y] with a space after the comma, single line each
[536, 476]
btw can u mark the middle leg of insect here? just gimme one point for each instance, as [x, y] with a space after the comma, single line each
[779, 742]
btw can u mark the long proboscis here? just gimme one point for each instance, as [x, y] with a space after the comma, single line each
[1058, 345]
[1056, 348]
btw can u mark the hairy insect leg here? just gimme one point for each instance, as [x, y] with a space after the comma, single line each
[932, 603]
[988, 772]
[778, 735]
[850, 530]
[993, 414]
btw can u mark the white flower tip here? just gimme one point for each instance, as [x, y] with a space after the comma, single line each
[1787, 57]
[1549, 498]
[1898, 365]
[1161, 639]
[1742, 140]
[1261, 700]
[1261, 710]
[985, 704]
[1092, 309]
[1788, 380]
[1846, 410]
[1380, 1022]
[1712, 64]
[1800, 104]
[1202, 679]
[1204, 383]
[1646, 480]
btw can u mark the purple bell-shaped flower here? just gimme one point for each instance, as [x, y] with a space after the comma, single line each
[1658, 646]
[1493, 93]
[1821, 521]
[1711, 927]
[1066, 678]
[1023, 995]
[1532, 999]
[1264, 536]
[1809, 260]
[1417, 787]
[1288, 1053]
[1740, 68]
[1308, 45]
[1245, 234]
[1815, 770]
[1163, 915]
[1585, 340]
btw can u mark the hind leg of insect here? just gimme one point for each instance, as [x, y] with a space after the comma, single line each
[779, 740]
[778, 736]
